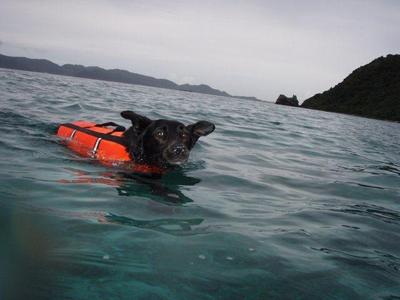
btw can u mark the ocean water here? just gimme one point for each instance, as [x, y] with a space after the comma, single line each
[277, 203]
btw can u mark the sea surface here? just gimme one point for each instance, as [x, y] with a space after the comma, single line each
[277, 203]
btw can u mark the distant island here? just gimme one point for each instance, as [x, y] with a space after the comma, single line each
[283, 100]
[371, 91]
[116, 75]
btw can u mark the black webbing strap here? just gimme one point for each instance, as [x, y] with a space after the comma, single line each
[104, 136]
[117, 127]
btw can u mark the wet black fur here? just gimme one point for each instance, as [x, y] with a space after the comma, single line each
[147, 145]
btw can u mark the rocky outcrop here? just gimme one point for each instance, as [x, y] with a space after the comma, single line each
[283, 100]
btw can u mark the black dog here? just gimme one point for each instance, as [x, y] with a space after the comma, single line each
[162, 142]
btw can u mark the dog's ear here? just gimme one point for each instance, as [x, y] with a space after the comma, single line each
[198, 129]
[201, 128]
[138, 122]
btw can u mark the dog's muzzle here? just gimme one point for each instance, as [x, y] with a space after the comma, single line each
[176, 154]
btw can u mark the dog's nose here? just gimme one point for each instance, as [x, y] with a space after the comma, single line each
[178, 149]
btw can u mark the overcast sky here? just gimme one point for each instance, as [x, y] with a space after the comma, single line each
[253, 48]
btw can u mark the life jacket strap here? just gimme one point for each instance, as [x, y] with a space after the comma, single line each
[118, 128]
[104, 136]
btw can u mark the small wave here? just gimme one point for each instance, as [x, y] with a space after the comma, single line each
[170, 226]
[11, 120]
[390, 297]
[275, 122]
[72, 107]
[362, 185]
[373, 211]
[387, 168]
[391, 168]
[375, 258]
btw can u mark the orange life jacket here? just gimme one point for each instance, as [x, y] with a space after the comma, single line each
[102, 143]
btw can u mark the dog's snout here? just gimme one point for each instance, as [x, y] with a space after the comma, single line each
[178, 149]
[176, 154]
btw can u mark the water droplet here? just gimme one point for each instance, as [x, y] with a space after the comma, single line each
[252, 249]
[229, 258]
[201, 256]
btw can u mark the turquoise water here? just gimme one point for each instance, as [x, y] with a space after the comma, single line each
[277, 203]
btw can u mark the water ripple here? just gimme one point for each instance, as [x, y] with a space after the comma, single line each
[277, 203]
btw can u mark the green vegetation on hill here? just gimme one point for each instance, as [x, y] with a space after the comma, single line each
[370, 91]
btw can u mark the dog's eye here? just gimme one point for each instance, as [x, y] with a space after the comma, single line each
[159, 133]
[182, 132]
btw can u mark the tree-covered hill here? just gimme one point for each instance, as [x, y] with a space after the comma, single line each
[370, 91]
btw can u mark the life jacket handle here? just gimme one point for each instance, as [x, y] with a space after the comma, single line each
[118, 128]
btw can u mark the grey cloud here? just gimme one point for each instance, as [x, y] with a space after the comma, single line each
[260, 48]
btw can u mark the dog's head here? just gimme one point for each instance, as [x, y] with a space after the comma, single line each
[162, 142]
